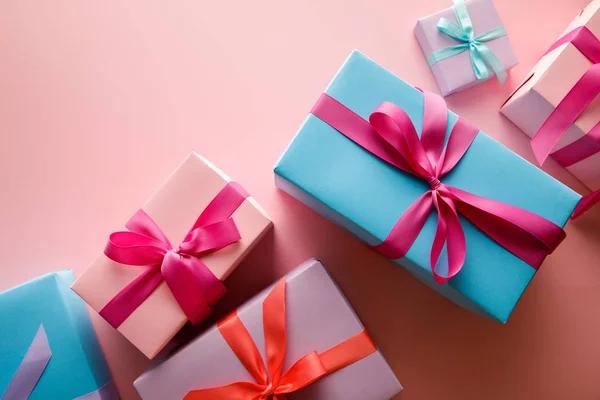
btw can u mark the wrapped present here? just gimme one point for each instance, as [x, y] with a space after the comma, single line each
[488, 232]
[465, 45]
[299, 339]
[167, 268]
[48, 347]
[555, 104]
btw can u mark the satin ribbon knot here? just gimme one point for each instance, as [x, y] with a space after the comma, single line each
[391, 136]
[269, 391]
[275, 384]
[192, 283]
[434, 183]
[482, 57]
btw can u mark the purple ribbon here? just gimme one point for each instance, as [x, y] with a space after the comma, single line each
[32, 367]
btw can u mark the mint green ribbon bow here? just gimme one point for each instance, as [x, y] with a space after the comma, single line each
[481, 55]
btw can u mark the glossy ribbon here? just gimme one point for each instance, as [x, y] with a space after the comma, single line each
[481, 55]
[392, 137]
[274, 383]
[571, 106]
[33, 366]
[569, 109]
[193, 285]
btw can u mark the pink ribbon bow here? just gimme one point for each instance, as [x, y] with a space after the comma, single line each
[391, 136]
[193, 285]
[569, 109]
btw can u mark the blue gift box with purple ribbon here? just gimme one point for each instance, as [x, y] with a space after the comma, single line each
[48, 346]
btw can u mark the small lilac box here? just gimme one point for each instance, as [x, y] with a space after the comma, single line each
[456, 73]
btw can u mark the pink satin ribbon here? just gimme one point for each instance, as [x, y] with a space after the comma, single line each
[193, 285]
[569, 109]
[391, 136]
[571, 106]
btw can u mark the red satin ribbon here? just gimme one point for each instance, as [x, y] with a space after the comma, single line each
[391, 136]
[569, 109]
[193, 285]
[275, 383]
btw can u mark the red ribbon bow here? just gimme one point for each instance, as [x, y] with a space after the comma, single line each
[274, 383]
[391, 136]
[193, 285]
[569, 109]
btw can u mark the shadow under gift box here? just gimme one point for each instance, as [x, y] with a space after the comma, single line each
[555, 74]
[174, 207]
[77, 366]
[363, 194]
[318, 318]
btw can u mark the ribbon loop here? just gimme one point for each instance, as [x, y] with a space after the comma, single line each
[192, 283]
[304, 372]
[525, 234]
[482, 57]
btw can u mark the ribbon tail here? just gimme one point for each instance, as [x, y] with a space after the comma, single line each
[108, 391]
[407, 229]
[478, 64]
[193, 285]
[449, 232]
[586, 203]
[30, 369]
[241, 343]
[487, 56]
[305, 371]
[120, 307]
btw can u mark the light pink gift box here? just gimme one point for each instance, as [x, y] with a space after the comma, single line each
[547, 84]
[318, 318]
[174, 207]
[456, 73]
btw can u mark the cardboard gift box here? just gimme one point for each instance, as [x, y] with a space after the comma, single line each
[316, 320]
[48, 347]
[178, 211]
[456, 72]
[367, 195]
[545, 87]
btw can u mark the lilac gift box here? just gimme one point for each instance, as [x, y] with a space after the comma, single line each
[456, 73]
[318, 318]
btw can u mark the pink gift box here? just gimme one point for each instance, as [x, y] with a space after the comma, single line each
[174, 207]
[456, 73]
[318, 318]
[530, 105]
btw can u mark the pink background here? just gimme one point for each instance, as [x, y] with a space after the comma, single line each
[100, 101]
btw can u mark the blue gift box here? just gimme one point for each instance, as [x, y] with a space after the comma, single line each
[365, 195]
[77, 366]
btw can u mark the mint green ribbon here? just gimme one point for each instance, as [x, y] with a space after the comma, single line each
[481, 55]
